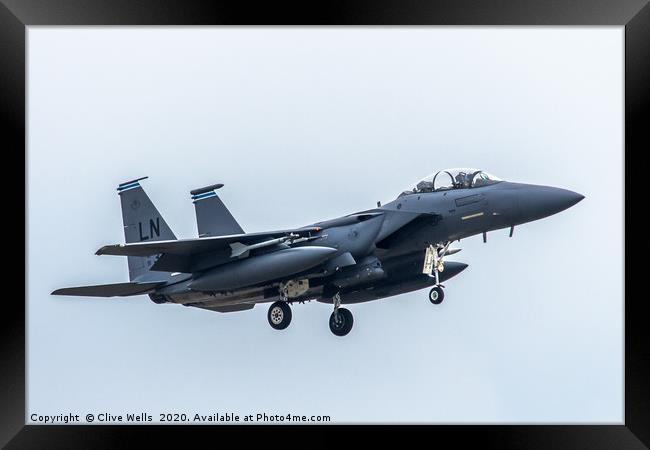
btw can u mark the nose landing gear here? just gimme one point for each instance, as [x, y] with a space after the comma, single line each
[436, 295]
[434, 264]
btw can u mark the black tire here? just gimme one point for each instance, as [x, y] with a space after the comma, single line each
[436, 295]
[158, 298]
[343, 325]
[279, 315]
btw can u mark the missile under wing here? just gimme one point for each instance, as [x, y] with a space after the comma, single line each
[191, 255]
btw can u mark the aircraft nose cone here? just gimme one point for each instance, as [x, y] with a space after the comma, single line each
[537, 202]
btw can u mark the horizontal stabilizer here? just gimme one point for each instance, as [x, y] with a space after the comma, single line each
[109, 290]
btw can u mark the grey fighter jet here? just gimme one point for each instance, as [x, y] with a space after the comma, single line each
[389, 250]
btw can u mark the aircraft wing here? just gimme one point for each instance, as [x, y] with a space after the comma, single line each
[191, 247]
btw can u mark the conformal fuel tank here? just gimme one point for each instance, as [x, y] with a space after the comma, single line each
[257, 269]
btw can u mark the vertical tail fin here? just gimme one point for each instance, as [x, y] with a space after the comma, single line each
[142, 222]
[212, 216]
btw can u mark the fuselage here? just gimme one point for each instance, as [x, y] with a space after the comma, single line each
[370, 254]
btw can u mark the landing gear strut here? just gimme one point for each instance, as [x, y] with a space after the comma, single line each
[279, 315]
[433, 265]
[341, 319]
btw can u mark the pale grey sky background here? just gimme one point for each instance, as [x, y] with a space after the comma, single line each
[308, 124]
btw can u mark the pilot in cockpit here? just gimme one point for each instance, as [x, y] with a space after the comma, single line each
[462, 180]
[452, 179]
[424, 186]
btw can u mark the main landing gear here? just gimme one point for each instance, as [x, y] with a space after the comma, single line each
[340, 322]
[279, 315]
[341, 319]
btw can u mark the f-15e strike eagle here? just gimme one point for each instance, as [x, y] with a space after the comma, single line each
[392, 249]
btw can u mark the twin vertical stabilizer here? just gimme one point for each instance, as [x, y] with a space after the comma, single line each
[142, 222]
[212, 216]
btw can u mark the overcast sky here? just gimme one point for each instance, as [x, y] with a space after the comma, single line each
[308, 124]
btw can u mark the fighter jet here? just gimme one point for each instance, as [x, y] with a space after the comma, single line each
[392, 249]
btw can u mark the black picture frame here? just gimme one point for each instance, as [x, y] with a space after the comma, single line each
[16, 15]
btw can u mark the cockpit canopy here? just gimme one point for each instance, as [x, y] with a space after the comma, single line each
[462, 178]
